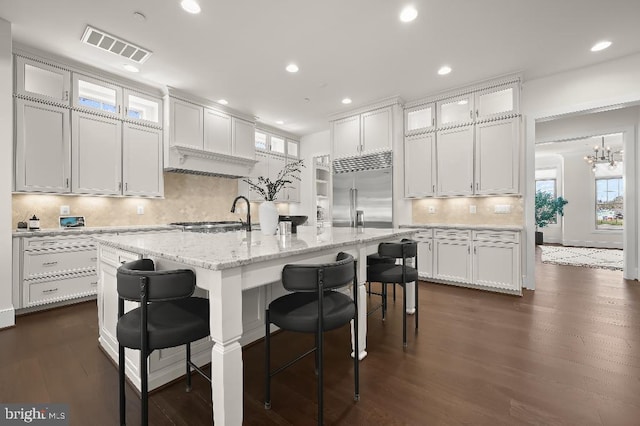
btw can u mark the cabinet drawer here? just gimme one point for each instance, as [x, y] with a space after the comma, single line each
[497, 236]
[451, 234]
[55, 262]
[55, 242]
[115, 257]
[424, 235]
[54, 290]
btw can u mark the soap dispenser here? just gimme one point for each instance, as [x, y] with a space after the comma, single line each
[34, 223]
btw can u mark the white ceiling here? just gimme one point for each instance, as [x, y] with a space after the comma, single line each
[238, 49]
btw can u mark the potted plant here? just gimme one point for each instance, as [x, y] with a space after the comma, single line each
[269, 190]
[548, 208]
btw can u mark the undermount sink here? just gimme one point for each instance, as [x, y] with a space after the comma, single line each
[220, 226]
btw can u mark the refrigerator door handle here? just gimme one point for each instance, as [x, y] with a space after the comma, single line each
[352, 207]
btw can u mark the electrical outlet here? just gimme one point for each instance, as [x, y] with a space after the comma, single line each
[473, 209]
[65, 210]
[502, 209]
[140, 210]
[432, 209]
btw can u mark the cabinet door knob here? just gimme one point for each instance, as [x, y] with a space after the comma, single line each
[66, 95]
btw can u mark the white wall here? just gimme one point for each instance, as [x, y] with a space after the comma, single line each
[586, 89]
[310, 146]
[7, 314]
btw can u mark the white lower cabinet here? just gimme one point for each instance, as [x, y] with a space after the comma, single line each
[55, 269]
[452, 255]
[485, 259]
[425, 254]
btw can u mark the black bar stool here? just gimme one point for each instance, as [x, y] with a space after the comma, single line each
[376, 259]
[387, 273]
[168, 316]
[314, 307]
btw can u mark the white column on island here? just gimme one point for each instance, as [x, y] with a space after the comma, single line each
[361, 255]
[225, 301]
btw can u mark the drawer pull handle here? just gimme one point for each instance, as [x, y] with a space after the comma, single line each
[50, 263]
[48, 243]
[51, 290]
[94, 283]
[94, 258]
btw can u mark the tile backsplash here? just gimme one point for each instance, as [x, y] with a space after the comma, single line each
[186, 198]
[458, 211]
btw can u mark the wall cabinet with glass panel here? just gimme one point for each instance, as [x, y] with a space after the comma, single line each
[44, 82]
[93, 95]
[419, 119]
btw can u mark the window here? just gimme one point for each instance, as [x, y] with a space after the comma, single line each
[261, 141]
[547, 185]
[609, 203]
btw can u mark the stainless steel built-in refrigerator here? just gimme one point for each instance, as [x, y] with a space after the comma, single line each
[362, 191]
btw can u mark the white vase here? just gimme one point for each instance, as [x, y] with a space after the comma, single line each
[268, 217]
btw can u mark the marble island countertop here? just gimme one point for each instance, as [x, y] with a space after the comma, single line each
[480, 227]
[231, 249]
[48, 232]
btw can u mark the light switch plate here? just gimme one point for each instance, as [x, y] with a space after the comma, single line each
[432, 209]
[473, 209]
[65, 210]
[140, 210]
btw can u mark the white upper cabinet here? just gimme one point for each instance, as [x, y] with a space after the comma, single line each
[497, 157]
[243, 134]
[419, 165]
[95, 95]
[142, 108]
[40, 81]
[96, 154]
[142, 161]
[497, 101]
[365, 133]
[186, 124]
[419, 119]
[376, 130]
[456, 111]
[43, 148]
[217, 131]
[346, 137]
[455, 161]
[261, 141]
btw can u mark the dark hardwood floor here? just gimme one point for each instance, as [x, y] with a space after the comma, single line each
[566, 354]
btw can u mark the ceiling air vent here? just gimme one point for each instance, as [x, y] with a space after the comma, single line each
[113, 44]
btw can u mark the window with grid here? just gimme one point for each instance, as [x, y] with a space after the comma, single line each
[610, 203]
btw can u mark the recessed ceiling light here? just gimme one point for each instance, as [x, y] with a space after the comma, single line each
[279, 122]
[444, 70]
[346, 101]
[223, 101]
[130, 68]
[408, 14]
[601, 45]
[190, 6]
[292, 68]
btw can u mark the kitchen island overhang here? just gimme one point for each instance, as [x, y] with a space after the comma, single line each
[241, 272]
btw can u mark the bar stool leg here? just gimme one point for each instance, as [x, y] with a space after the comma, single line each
[188, 367]
[394, 293]
[416, 302]
[384, 300]
[121, 385]
[267, 362]
[404, 315]
[144, 391]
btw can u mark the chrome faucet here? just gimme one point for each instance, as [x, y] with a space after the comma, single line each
[247, 224]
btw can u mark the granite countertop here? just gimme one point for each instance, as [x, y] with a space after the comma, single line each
[232, 249]
[465, 226]
[49, 232]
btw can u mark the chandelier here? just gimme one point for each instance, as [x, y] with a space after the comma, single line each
[602, 155]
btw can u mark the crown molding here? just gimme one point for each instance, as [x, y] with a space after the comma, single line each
[381, 103]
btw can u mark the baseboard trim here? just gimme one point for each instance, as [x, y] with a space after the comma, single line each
[7, 317]
[593, 244]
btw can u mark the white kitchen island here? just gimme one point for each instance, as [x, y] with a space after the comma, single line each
[241, 272]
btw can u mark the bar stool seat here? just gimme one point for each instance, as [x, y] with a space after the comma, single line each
[299, 311]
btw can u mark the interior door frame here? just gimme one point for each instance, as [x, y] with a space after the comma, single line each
[631, 207]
